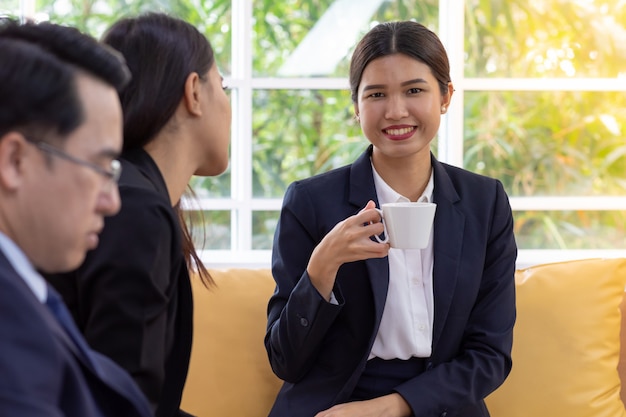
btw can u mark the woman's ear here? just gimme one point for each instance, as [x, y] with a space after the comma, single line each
[192, 95]
[447, 98]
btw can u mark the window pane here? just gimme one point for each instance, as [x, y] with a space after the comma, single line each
[548, 38]
[548, 143]
[210, 17]
[570, 229]
[209, 229]
[212, 187]
[315, 38]
[263, 226]
[300, 133]
[10, 8]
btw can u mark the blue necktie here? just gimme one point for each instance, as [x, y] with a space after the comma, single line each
[63, 316]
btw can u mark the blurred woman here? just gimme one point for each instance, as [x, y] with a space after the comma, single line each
[132, 296]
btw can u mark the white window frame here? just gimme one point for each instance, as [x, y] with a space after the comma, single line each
[241, 204]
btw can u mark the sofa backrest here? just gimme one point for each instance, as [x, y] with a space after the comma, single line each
[566, 342]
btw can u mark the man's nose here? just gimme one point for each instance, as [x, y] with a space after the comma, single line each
[109, 202]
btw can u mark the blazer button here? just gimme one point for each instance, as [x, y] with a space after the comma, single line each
[304, 322]
[444, 414]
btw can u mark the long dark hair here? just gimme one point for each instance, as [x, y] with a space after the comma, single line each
[161, 51]
[406, 37]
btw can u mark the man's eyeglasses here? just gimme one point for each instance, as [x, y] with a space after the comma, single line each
[112, 174]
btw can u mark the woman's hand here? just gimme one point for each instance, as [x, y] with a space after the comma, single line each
[392, 405]
[348, 241]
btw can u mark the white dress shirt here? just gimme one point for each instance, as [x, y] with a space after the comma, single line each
[406, 328]
[24, 268]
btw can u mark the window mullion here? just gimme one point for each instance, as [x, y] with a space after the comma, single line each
[451, 28]
[241, 143]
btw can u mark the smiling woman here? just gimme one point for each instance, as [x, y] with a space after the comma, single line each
[539, 105]
[389, 331]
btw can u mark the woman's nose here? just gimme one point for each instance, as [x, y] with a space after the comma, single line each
[396, 109]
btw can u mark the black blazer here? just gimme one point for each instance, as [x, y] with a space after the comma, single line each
[132, 296]
[44, 373]
[320, 349]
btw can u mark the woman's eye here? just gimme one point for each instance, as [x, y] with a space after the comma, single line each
[376, 95]
[415, 90]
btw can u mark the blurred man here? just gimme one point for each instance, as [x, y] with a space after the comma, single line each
[60, 132]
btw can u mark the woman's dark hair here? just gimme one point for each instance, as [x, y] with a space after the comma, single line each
[161, 51]
[407, 37]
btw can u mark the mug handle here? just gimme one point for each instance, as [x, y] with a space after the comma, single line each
[382, 220]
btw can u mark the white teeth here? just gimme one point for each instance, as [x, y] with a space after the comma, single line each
[398, 132]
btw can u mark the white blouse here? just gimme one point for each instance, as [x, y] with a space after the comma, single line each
[406, 329]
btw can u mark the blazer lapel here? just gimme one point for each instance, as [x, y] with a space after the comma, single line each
[104, 369]
[447, 241]
[6, 269]
[362, 190]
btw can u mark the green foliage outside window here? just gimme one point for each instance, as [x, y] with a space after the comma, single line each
[545, 38]
[550, 143]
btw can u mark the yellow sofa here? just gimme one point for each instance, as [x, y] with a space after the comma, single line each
[229, 374]
[566, 351]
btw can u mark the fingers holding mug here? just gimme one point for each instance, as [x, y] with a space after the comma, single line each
[384, 234]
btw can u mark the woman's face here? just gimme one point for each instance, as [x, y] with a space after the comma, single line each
[399, 105]
[217, 116]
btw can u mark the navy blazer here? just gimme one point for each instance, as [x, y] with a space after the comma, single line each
[320, 349]
[43, 372]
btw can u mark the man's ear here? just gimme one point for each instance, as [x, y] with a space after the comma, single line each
[192, 93]
[13, 146]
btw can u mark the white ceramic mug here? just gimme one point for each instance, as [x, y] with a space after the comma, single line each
[407, 225]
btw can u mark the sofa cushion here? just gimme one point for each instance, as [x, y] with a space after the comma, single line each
[566, 345]
[229, 374]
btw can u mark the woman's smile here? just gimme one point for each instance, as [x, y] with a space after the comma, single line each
[399, 132]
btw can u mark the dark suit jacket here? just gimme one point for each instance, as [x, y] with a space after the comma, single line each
[320, 349]
[44, 373]
[132, 296]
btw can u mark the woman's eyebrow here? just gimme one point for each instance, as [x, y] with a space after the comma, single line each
[415, 81]
[373, 87]
[405, 83]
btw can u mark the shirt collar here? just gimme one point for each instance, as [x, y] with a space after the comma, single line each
[18, 260]
[386, 194]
